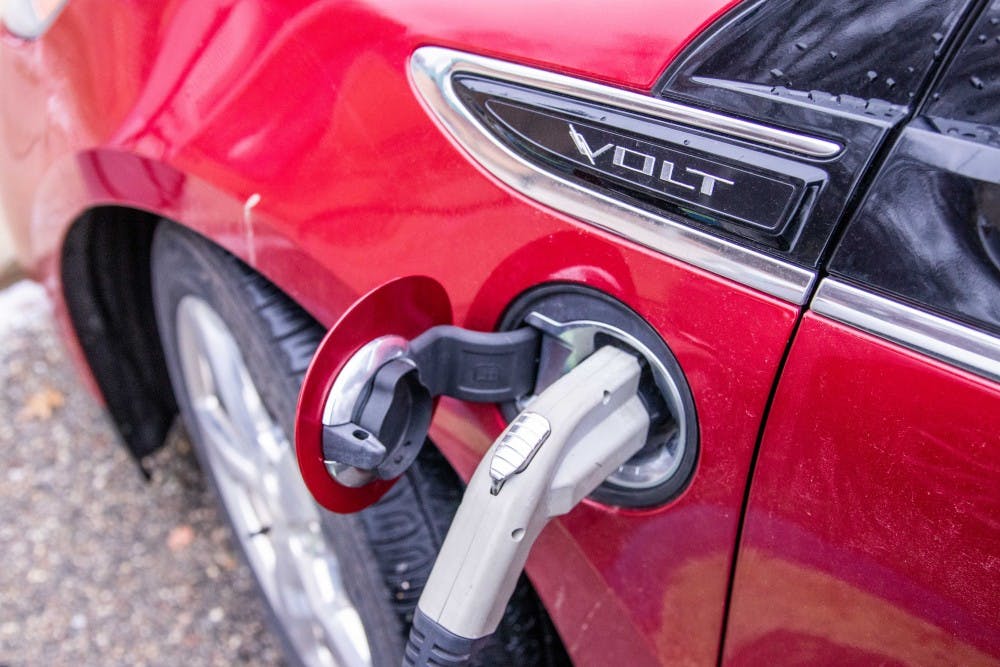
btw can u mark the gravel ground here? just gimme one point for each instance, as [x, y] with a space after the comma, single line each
[100, 567]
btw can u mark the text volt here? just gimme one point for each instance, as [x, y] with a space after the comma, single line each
[641, 163]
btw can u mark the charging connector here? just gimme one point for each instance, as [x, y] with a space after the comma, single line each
[565, 443]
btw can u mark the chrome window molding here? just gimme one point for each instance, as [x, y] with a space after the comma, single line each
[431, 72]
[910, 327]
[623, 99]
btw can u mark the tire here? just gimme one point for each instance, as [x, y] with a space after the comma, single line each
[385, 553]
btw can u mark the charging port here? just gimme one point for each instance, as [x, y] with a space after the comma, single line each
[576, 321]
[379, 405]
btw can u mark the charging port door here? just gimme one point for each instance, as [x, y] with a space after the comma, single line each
[373, 331]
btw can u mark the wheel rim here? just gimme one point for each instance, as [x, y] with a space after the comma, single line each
[273, 515]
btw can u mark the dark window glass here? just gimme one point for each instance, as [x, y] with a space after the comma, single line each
[929, 230]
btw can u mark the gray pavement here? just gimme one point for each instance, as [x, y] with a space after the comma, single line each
[98, 566]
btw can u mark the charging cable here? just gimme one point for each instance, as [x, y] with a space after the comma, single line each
[565, 443]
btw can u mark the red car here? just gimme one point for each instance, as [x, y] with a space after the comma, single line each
[788, 210]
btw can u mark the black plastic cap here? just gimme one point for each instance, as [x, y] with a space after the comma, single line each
[431, 645]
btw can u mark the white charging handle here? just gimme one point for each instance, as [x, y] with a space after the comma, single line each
[556, 452]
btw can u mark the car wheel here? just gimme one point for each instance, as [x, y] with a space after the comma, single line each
[341, 589]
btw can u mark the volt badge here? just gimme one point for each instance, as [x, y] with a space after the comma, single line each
[652, 169]
[629, 160]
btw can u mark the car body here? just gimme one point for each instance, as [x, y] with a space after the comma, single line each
[845, 503]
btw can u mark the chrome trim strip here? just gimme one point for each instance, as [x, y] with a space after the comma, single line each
[916, 329]
[623, 99]
[431, 71]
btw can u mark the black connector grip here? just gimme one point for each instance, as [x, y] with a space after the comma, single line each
[390, 418]
[476, 366]
[388, 426]
[352, 445]
[431, 645]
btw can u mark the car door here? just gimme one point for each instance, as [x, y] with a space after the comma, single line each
[871, 534]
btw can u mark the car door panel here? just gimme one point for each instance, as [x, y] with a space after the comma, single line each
[871, 532]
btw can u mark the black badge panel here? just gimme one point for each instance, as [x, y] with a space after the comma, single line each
[660, 170]
[724, 186]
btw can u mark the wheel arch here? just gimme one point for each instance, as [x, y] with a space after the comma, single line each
[86, 233]
[104, 273]
[104, 284]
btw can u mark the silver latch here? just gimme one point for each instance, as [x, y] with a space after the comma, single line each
[517, 447]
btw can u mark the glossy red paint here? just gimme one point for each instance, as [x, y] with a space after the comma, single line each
[654, 580]
[288, 133]
[405, 307]
[872, 530]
